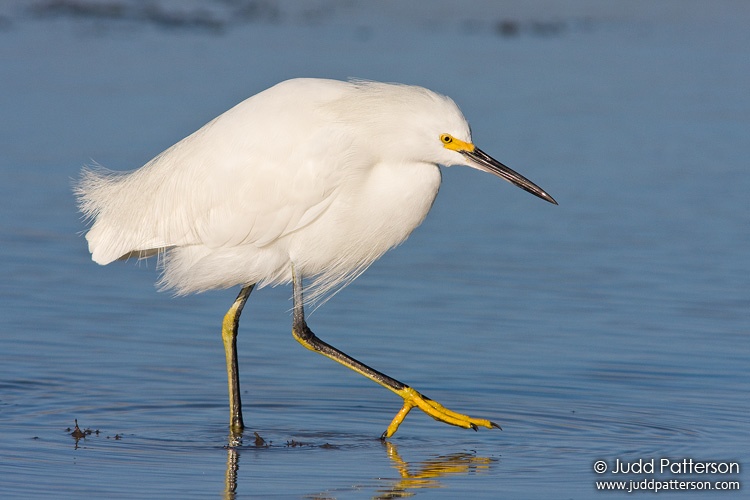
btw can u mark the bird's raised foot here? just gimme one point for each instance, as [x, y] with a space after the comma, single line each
[434, 409]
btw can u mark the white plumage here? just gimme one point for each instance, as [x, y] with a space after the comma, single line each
[326, 174]
[310, 178]
[322, 174]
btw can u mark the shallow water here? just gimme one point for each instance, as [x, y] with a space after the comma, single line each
[614, 326]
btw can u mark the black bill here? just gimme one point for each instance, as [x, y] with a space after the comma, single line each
[489, 164]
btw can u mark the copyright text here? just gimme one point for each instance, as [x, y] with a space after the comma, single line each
[719, 472]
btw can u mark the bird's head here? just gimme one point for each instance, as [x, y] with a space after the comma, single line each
[474, 157]
[410, 123]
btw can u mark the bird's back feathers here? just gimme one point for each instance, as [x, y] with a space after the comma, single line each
[223, 205]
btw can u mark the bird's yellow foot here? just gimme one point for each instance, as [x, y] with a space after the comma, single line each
[434, 409]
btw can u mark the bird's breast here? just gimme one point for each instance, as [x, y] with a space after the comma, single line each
[397, 197]
[371, 214]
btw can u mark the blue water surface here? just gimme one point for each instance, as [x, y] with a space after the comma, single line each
[613, 327]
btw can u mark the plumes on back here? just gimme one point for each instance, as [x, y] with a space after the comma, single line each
[321, 174]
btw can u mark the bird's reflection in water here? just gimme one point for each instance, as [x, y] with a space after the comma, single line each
[413, 476]
[233, 463]
[426, 474]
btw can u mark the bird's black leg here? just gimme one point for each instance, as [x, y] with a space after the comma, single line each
[229, 335]
[412, 398]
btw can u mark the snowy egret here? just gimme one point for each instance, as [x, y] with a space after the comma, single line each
[308, 179]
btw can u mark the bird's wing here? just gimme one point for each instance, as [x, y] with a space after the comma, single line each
[263, 169]
[214, 188]
[272, 202]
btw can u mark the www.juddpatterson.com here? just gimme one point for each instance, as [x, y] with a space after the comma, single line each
[717, 471]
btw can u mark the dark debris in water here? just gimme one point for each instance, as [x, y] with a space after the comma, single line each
[296, 444]
[293, 443]
[77, 433]
[260, 442]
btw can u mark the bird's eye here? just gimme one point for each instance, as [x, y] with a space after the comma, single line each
[446, 138]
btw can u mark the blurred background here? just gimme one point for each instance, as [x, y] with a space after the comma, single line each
[614, 326]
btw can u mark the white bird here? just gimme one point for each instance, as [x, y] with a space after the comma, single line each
[311, 179]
